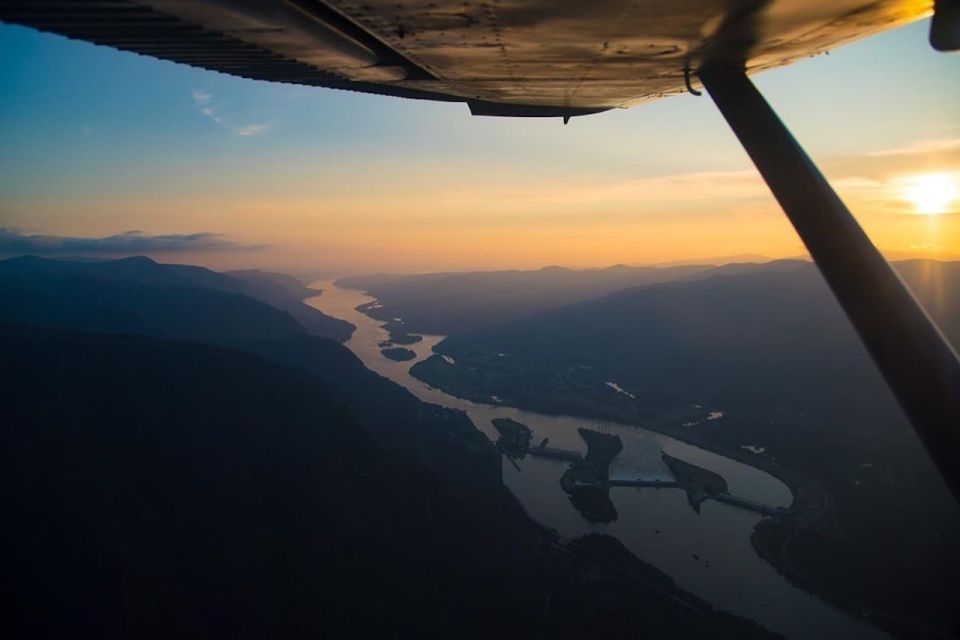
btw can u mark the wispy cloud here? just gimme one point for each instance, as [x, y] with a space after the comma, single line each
[201, 97]
[16, 242]
[922, 147]
[252, 129]
[204, 103]
[874, 182]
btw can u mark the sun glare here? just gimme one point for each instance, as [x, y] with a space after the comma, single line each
[930, 193]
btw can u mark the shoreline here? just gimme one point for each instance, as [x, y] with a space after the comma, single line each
[790, 482]
[770, 539]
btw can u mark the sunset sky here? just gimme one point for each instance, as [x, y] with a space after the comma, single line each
[96, 143]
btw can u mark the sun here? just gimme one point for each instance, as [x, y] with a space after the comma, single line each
[930, 193]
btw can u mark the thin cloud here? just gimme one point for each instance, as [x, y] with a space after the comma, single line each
[252, 129]
[674, 188]
[201, 97]
[15, 241]
[922, 147]
[204, 104]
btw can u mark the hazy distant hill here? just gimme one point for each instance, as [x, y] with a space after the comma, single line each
[757, 334]
[769, 347]
[135, 295]
[287, 293]
[154, 489]
[452, 303]
[213, 298]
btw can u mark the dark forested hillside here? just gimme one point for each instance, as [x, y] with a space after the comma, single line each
[764, 359]
[287, 293]
[53, 294]
[159, 489]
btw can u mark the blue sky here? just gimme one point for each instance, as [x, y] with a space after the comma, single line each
[98, 142]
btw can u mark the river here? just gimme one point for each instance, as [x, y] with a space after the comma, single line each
[708, 553]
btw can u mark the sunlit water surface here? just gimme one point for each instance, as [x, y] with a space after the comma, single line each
[709, 554]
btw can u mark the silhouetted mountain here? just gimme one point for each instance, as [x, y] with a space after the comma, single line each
[452, 303]
[287, 293]
[154, 489]
[272, 284]
[758, 356]
[64, 295]
[137, 269]
[717, 260]
[134, 295]
[82, 284]
[746, 335]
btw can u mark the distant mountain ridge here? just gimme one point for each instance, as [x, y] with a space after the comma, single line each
[42, 280]
[460, 302]
[136, 296]
[719, 326]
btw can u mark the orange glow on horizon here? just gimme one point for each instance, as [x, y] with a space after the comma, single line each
[465, 222]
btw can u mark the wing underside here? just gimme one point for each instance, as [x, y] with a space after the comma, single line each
[508, 57]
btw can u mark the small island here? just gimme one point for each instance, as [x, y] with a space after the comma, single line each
[514, 438]
[398, 332]
[398, 354]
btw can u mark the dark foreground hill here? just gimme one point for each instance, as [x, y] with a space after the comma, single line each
[452, 303]
[156, 489]
[762, 359]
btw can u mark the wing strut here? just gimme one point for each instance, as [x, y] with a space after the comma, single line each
[918, 363]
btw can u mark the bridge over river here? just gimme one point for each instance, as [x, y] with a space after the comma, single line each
[726, 498]
[696, 492]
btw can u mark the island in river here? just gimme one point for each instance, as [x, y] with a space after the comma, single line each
[398, 354]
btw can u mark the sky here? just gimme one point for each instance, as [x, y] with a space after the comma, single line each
[111, 153]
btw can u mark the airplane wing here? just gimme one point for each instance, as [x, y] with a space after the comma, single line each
[501, 57]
